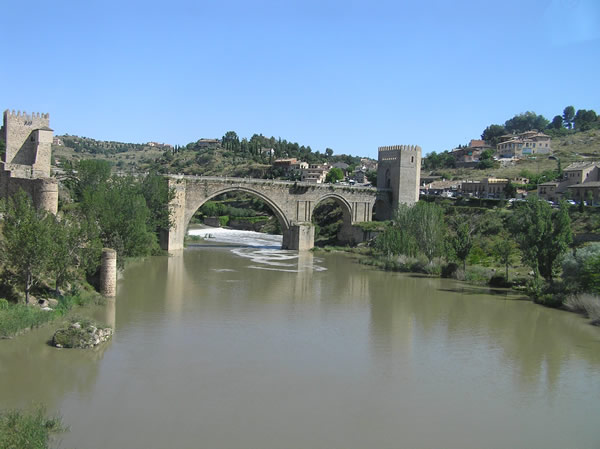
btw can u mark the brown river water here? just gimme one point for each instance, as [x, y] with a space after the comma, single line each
[226, 346]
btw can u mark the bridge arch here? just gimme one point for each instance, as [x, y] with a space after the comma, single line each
[198, 202]
[291, 202]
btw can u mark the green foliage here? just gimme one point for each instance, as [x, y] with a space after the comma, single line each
[557, 122]
[27, 241]
[335, 174]
[87, 174]
[504, 250]
[585, 120]
[543, 235]
[371, 176]
[581, 269]
[416, 229]
[224, 220]
[492, 134]
[526, 121]
[434, 161]
[462, 242]
[119, 210]
[28, 430]
[568, 116]
[157, 194]
[17, 317]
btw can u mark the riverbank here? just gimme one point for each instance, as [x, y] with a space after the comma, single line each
[17, 318]
[552, 295]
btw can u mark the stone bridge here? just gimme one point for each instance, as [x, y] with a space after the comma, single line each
[293, 203]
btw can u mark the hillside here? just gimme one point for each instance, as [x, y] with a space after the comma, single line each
[227, 157]
[574, 147]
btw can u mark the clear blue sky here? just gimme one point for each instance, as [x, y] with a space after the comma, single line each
[349, 75]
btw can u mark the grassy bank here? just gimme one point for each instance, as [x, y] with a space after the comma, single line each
[28, 430]
[18, 318]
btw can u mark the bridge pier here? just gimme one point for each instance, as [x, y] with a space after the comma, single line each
[299, 237]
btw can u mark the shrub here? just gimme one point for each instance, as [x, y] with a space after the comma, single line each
[224, 220]
[586, 304]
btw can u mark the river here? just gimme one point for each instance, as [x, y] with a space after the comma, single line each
[234, 343]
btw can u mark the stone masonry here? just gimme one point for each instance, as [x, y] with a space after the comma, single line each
[398, 178]
[26, 161]
[292, 203]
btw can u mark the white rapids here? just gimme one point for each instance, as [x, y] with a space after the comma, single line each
[263, 250]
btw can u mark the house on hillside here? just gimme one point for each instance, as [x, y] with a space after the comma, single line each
[524, 144]
[486, 188]
[469, 156]
[580, 180]
[315, 173]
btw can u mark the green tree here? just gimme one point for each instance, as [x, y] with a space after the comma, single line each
[581, 269]
[557, 122]
[542, 235]
[493, 133]
[526, 121]
[86, 174]
[371, 176]
[335, 174]
[568, 116]
[510, 190]
[462, 242]
[328, 152]
[156, 192]
[504, 250]
[74, 249]
[27, 240]
[121, 214]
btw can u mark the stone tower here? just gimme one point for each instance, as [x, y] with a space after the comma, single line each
[26, 161]
[398, 178]
[28, 140]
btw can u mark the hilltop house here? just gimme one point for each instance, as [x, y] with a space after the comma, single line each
[524, 144]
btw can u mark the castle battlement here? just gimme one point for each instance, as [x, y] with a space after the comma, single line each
[27, 119]
[400, 148]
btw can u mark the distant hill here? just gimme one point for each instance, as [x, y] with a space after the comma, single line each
[229, 156]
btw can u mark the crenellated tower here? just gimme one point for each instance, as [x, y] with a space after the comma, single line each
[26, 160]
[28, 140]
[398, 177]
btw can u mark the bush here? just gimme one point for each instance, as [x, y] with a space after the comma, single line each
[449, 270]
[586, 304]
[224, 220]
[477, 275]
[499, 281]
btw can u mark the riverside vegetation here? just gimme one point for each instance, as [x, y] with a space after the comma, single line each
[485, 246]
[55, 257]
